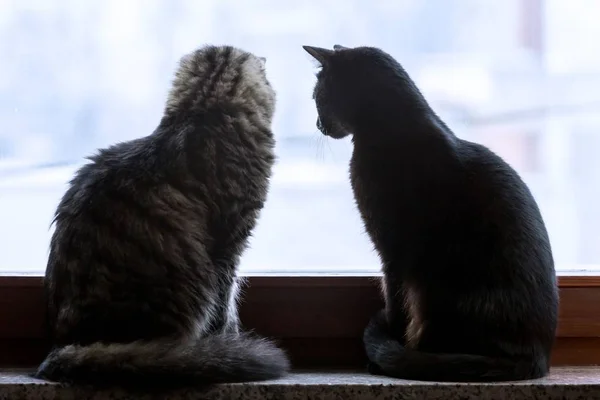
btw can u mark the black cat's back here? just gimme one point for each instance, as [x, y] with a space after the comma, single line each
[469, 279]
[458, 247]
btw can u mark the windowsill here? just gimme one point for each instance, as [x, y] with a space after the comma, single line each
[562, 383]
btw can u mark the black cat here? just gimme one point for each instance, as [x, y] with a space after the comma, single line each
[469, 278]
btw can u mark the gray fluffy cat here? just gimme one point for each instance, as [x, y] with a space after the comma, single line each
[141, 277]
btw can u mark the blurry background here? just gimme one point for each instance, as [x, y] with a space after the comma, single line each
[520, 76]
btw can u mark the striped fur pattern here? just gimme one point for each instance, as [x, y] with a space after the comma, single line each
[141, 278]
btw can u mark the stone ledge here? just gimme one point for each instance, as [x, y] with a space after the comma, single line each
[563, 383]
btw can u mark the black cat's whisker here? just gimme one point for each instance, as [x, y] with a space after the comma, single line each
[318, 141]
[326, 139]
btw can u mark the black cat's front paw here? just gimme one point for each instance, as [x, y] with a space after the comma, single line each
[374, 369]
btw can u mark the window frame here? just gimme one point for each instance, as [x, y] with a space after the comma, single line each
[318, 320]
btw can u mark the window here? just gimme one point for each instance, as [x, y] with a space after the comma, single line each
[521, 76]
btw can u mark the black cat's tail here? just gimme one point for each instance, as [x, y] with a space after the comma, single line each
[388, 357]
[213, 359]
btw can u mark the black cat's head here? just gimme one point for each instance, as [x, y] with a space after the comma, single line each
[351, 82]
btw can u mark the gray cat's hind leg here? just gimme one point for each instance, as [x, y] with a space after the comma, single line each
[225, 318]
[232, 319]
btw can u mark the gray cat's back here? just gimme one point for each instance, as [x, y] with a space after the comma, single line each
[120, 230]
[149, 235]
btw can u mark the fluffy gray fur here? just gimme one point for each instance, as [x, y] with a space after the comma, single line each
[141, 278]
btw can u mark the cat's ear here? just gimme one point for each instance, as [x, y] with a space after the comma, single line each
[320, 54]
[263, 60]
[337, 47]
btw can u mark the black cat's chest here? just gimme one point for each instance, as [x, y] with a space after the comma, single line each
[384, 198]
[401, 195]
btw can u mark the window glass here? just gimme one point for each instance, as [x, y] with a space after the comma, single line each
[520, 76]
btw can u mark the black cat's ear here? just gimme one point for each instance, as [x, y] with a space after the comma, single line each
[320, 54]
[337, 47]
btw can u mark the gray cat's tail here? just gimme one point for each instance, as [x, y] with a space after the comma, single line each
[213, 359]
[388, 357]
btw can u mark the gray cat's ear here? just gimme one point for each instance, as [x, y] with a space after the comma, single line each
[263, 60]
[337, 47]
[320, 54]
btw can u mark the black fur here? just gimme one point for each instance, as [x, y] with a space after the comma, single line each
[469, 278]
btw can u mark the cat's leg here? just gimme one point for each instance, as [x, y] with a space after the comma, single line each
[230, 242]
[377, 330]
[392, 321]
[226, 256]
[225, 318]
[232, 319]
[395, 306]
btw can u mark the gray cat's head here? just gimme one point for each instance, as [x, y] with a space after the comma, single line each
[352, 86]
[217, 75]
